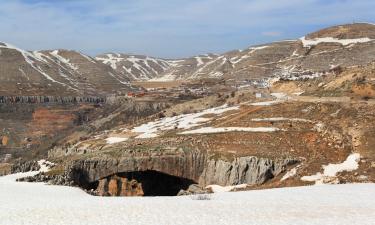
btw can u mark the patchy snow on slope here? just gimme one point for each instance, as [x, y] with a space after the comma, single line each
[280, 119]
[212, 130]
[65, 61]
[29, 57]
[221, 189]
[199, 61]
[31, 60]
[256, 48]
[266, 103]
[290, 173]
[139, 67]
[114, 140]
[316, 41]
[350, 164]
[186, 121]
[331, 170]
[237, 59]
[40, 56]
[110, 60]
[40, 204]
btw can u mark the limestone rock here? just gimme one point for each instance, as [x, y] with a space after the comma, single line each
[244, 170]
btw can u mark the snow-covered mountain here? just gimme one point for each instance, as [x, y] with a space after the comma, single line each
[346, 45]
[62, 71]
[55, 72]
[139, 67]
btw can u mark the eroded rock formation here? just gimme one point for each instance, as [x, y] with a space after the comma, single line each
[244, 170]
[167, 174]
[184, 164]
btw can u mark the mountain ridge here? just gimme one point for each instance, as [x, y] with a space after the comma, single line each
[69, 72]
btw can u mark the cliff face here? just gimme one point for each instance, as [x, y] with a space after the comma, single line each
[189, 165]
[173, 172]
[244, 170]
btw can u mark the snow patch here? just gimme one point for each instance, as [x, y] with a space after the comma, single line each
[290, 173]
[187, 121]
[199, 61]
[266, 103]
[65, 61]
[114, 140]
[221, 189]
[278, 119]
[331, 170]
[316, 41]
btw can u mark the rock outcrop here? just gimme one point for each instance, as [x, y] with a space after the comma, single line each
[244, 170]
[187, 165]
[21, 166]
[184, 164]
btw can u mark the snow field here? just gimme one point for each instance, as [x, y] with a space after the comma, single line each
[187, 121]
[40, 204]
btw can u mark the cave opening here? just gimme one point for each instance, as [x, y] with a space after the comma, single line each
[141, 183]
[158, 184]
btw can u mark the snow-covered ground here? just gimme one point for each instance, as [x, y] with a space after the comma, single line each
[186, 121]
[316, 41]
[31, 203]
[114, 140]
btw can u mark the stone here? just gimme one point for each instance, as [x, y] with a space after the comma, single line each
[244, 170]
[102, 187]
[113, 187]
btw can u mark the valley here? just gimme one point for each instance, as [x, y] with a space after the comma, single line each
[284, 114]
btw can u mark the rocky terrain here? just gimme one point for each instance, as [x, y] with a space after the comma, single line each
[310, 121]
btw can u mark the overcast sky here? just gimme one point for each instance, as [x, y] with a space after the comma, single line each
[169, 28]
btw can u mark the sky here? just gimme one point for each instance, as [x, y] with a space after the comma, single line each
[169, 28]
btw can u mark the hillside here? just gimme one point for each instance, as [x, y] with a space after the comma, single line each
[316, 53]
[57, 72]
[73, 73]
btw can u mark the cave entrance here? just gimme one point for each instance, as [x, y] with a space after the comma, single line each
[140, 183]
[155, 183]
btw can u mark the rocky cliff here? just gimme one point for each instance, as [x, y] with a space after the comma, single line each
[168, 173]
[244, 170]
[189, 165]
